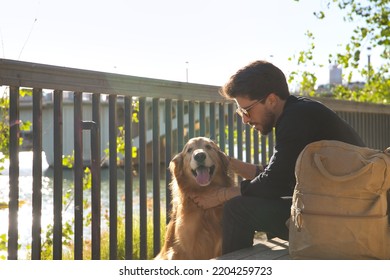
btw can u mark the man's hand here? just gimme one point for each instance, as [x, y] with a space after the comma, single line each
[215, 197]
[244, 169]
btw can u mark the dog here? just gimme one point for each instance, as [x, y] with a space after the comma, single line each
[194, 233]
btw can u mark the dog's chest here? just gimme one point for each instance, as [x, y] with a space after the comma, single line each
[200, 222]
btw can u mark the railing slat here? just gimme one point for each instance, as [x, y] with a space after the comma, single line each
[221, 126]
[113, 177]
[142, 178]
[128, 178]
[13, 204]
[231, 130]
[58, 175]
[37, 175]
[191, 119]
[96, 177]
[239, 138]
[202, 118]
[180, 125]
[270, 145]
[156, 176]
[240, 143]
[213, 132]
[78, 177]
[168, 154]
[264, 150]
[248, 143]
[386, 127]
[256, 150]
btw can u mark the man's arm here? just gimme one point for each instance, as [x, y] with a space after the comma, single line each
[219, 195]
[215, 197]
[244, 169]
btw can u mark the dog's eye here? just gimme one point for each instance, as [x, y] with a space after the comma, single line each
[208, 147]
[189, 150]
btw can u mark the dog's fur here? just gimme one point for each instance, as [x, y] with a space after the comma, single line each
[195, 233]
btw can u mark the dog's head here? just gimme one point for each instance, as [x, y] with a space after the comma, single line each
[201, 161]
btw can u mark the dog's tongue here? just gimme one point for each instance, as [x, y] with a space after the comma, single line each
[202, 176]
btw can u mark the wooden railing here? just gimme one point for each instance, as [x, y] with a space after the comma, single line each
[168, 114]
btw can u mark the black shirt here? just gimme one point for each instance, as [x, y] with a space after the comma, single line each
[303, 121]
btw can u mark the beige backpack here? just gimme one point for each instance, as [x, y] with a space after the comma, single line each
[340, 207]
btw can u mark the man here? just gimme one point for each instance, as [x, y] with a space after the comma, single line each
[263, 201]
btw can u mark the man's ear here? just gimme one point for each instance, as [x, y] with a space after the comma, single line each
[272, 100]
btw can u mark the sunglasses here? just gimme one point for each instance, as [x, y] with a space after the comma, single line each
[245, 111]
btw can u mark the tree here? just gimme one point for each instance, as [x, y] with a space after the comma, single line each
[373, 31]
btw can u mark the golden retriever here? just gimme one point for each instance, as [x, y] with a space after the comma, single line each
[194, 233]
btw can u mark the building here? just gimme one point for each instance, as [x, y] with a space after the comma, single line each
[335, 75]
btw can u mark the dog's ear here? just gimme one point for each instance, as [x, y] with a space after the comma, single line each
[226, 168]
[176, 165]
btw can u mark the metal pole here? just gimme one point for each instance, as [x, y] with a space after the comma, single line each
[187, 71]
[368, 64]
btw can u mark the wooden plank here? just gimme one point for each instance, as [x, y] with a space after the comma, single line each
[27, 74]
[273, 249]
[19, 73]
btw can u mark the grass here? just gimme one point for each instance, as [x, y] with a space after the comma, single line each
[121, 254]
[136, 239]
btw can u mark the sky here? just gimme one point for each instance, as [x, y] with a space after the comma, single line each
[199, 41]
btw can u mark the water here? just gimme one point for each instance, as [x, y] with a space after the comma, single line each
[25, 198]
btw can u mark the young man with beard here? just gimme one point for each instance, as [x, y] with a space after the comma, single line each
[263, 201]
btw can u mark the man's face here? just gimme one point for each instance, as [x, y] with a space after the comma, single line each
[256, 114]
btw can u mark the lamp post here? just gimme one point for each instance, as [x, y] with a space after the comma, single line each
[187, 71]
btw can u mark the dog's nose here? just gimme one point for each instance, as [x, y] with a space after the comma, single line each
[200, 157]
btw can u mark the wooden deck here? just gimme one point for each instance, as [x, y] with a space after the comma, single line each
[273, 249]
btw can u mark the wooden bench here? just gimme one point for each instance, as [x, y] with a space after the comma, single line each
[272, 249]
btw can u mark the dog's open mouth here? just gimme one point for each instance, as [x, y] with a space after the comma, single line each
[203, 174]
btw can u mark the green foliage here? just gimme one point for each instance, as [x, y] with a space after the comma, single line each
[3, 246]
[377, 91]
[120, 142]
[4, 129]
[105, 254]
[47, 245]
[67, 161]
[372, 31]
[304, 59]
[4, 124]
[67, 228]
[4, 145]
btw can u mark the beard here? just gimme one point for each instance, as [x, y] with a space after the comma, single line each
[267, 123]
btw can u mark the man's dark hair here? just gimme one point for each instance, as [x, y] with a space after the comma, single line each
[256, 81]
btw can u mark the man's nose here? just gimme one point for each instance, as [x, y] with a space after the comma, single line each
[245, 119]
